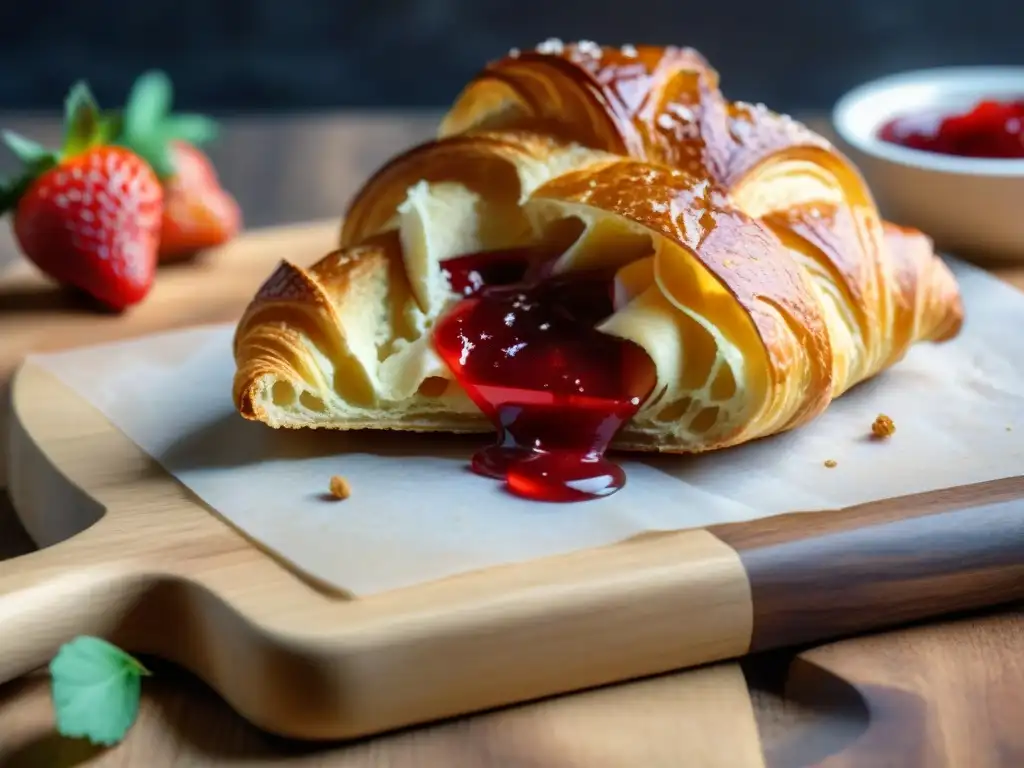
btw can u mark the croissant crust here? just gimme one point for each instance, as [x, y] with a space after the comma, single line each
[751, 263]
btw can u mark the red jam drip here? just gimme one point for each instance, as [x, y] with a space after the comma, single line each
[524, 347]
[992, 129]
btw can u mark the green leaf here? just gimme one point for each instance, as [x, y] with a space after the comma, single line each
[84, 128]
[111, 127]
[95, 688]
[26, 150]
[12, 190]
[156, 152]
[148, 103]
[81, 120]
[195, 129]
[9, 195]
[36, 158]
[148, 128]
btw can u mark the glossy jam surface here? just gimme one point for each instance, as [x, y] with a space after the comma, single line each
[524, 347]
[992, 129]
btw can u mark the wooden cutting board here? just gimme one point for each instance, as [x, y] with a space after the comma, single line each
[138, 559]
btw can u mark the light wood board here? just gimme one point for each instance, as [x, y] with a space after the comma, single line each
[159, 573]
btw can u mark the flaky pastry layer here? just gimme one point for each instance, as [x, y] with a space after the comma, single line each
[750, 260]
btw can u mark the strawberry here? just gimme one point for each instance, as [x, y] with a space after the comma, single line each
[89, 215]
[198, 212]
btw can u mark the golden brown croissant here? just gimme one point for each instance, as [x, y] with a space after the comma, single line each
[752, 280]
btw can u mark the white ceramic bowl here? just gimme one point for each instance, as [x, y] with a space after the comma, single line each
[970, 206]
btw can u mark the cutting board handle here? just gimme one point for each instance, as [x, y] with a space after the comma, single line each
[49, 596]
[817, 576]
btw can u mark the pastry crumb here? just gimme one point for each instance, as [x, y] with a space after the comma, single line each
[830, 463]
[340, 489]
[882, 426]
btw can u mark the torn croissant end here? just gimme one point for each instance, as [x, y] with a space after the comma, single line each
[750, 261]
[309, 346]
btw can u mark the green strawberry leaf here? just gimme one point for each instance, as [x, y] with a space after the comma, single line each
[154, 150]
[95, 688]
[36, 159]
[10, 193]
[148, 103]
[82, 125]
[148, 128]
[12, 190]
[195, 129]
[85, 127]
[111, 126]
[26, 150]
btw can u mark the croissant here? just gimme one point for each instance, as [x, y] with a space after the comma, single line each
[598, 248]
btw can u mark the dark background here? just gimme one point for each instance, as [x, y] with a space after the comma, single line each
[232, 56]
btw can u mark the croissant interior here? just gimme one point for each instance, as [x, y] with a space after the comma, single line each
[750, 261]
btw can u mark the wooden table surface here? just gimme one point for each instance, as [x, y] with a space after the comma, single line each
[943, 694]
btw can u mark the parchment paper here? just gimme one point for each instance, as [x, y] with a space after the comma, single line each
[417, 514]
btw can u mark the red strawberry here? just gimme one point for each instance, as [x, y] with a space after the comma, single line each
[89, 216]
[198, 212]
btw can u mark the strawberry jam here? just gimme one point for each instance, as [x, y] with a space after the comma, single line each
[992, 129]
[524, 346]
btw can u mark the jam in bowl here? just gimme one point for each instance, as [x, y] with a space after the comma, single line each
[992, 128]
[942, 150]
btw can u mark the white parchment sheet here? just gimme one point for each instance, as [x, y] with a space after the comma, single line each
[958, 409]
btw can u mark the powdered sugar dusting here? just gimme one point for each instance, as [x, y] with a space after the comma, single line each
[589, 48]
[753, 119]
[552, 46]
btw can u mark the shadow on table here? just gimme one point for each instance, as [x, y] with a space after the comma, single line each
[32, 297]
[820, 716]
[14, 541]
[52, 750]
